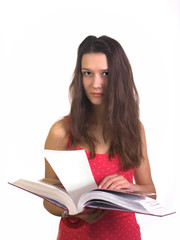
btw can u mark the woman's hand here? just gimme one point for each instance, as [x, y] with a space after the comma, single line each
[92, 216]
[116, 183]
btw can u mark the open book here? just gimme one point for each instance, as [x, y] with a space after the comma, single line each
[79, 190]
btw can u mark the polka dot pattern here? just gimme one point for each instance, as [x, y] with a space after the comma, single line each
[114, 225]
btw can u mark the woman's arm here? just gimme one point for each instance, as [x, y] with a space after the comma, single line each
[56, 140]
[142, 175]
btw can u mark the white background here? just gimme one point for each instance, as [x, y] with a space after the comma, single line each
[38, 45]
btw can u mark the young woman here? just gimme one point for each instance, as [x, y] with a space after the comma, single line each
[103, 120]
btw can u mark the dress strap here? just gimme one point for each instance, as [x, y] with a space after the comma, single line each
[69, 137]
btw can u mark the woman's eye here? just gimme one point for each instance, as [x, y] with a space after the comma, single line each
[87, 73]
[105, 73]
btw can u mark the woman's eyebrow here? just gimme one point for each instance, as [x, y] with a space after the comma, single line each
[103, 70]
[85, 69]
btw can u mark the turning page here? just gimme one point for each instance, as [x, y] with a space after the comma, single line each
[73, 170]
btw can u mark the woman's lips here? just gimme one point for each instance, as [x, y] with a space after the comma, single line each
[97, 94]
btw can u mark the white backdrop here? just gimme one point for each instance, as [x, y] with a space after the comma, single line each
[39, 41]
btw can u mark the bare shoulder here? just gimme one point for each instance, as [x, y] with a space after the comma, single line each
[142, 127]
[143, 136]
[58, 136]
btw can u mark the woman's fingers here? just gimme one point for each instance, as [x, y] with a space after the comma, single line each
[98, 214]
[115, 182]
[107, 181]
[93, 216]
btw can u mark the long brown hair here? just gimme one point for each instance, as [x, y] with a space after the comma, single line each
[121, 104]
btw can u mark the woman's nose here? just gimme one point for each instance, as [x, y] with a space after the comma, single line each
[98, 81]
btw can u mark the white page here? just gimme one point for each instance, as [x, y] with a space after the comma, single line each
[73, 170]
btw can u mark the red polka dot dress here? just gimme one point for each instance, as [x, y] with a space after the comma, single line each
[114, 225]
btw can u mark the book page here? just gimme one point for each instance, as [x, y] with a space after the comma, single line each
[73, 170]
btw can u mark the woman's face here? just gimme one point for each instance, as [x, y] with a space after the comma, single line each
[94, 67]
